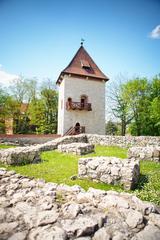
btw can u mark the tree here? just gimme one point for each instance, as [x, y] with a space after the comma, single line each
[111, 128]
[120, 107]
[155, 87]
[31, 108]
[50, 98]
[23, 91]
[9, 108]
[43, 111]
[3, 97]
[155, 114]
[143, 97]
[136, 94]
[155, 105]
[137, 104]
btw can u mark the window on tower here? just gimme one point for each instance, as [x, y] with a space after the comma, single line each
[84, 101]
[87, 67]
[85, 64]
[69, 103]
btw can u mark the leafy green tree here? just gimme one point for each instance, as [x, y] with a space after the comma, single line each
[137, 104]
[111, 128]
[36, 114]
[3, 97]
[143, 97]
[23, 91]
[155, 87]
[50, 99]
[10, 109]
[136, 94]
[155, 114]
[40, 106]
[120, 107]
[155, 105]
[43, 111]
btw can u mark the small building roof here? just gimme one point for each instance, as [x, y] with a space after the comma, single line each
[82, 65]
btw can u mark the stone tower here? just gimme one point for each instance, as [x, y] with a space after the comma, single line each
[81, 106]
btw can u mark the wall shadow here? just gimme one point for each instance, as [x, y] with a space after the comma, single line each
[143, 179]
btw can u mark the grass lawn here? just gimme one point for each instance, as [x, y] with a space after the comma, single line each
[58, 167]
[4, 146]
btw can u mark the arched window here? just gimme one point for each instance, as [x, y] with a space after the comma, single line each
[84, 101]
[69, 103]
[69, 99]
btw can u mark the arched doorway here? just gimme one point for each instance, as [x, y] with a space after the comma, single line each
[77, 128]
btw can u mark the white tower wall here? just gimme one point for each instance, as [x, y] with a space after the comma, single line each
[74, 87]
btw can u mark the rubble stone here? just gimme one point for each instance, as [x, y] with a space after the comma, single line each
[110, 170]
[92, 215]
[31, 154]
[76, 148]
[151, 153]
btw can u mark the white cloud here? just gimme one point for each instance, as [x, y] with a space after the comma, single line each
[6, 78]
[155, 32]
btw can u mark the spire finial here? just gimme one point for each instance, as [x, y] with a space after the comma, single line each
[82, 41]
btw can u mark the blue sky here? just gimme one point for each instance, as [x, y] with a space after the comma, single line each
[40, 37]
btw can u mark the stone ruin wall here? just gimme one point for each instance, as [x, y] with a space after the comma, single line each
[76, 148]
[25, 139]
[29, 154]
[110, 170]
[34, 210]
[151, 153]
[108, 140]
[123, 141]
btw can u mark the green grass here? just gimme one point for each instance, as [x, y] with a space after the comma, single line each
[4, 146]
[109, 151]
[148, 188]
[58, 167]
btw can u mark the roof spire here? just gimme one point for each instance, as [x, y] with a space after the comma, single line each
[82, 41]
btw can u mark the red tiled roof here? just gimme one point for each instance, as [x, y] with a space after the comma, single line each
[83, 65]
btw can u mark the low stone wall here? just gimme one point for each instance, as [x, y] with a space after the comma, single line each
[82, 138]
[76, 148]
[26, 139]
[20, 155]
[32, 209]
[108, 140]
[31, 154]
[123, 141]
[110, 170]
[145, 153]
[91, 139]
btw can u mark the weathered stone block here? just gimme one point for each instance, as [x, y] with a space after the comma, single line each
[95, 214]
[76, 148]
[19, 155]
[151, 153]
[123, 141]
[110, 170]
